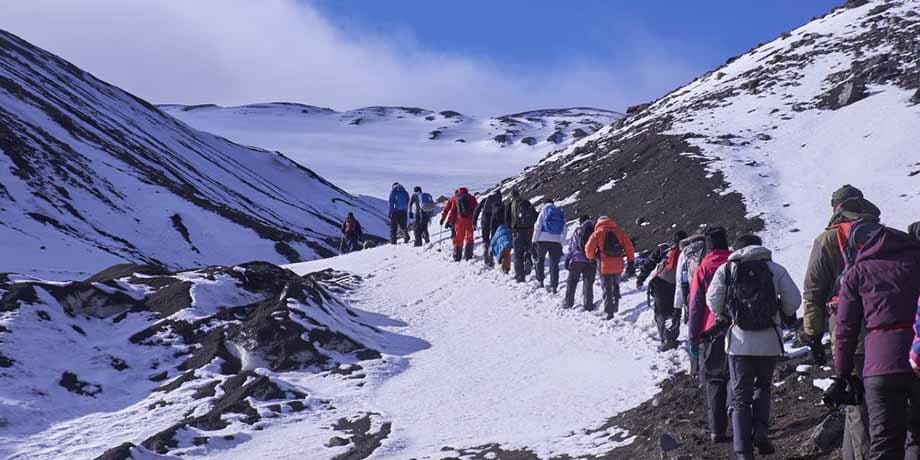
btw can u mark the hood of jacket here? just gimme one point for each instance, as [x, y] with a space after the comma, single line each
[889, 244]
[853, 210]
[750, 253]
[605, 223]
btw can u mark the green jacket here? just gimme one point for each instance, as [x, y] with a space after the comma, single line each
[826, 263]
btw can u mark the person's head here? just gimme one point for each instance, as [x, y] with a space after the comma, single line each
[497, 193]
[515, 193]
[716, 237]
[583, 218]
[845, 193]
[395, 184]
[914, 230]
[351, 215]
[748, 239]
[417, 189]
[679, 236]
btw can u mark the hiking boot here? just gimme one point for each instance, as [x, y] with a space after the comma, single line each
[719, 438]
[765, 447]
[667, 345]
[468, 251]
[458, 254]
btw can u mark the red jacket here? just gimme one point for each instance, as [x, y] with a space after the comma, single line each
[448, 210]
[453, 211]
[595, 246]
[701, 318]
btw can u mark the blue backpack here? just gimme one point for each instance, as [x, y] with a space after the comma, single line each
[553, 221]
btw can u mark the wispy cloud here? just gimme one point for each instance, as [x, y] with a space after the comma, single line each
[243, 51]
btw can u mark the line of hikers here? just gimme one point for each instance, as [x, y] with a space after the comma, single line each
[419, 207]
[862, 286]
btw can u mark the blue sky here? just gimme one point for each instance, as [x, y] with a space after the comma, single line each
[476, 56]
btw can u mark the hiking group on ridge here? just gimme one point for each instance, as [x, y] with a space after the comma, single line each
[861, 287]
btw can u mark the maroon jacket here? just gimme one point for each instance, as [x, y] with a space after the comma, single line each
[880, 290]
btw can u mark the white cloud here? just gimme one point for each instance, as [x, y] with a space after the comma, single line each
[243, 51]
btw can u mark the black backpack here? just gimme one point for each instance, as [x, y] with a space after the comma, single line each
[752, 301]
[464, 207]
[525, 216]
[612, 246]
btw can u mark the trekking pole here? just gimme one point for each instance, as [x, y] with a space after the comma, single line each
[440, 239]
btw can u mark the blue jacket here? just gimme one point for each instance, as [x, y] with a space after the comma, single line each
[399, 199]
[501, 240]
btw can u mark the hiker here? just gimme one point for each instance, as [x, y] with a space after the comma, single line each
[421, 207]
[500, 246]
[662, 287]
[351, 234]
[611, 244]
[521, 216]
[462, 215]
[753, 293]
[579, 266]
[878, 291]
[692, 251]
[487, 208]
[707, 338]
[399, 212]
[825, 266]
[548, 236]
[447, 214]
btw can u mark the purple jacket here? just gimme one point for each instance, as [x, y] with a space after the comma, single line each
[880, 290]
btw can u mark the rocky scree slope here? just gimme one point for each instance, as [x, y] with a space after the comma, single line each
[178, 362]
[91, 176]
[762, 141]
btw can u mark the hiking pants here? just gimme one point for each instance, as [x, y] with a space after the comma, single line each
[521, 244]
[751, 381]
[349, 244]
[486, 232]
[663, 293]
[584, 271]
[714, 376]
[463, 237]
[894, 416]
[856, 424]
[610, 284]
[554, 250]
[422, 219]
[399, 220]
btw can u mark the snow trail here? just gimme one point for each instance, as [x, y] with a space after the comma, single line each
[506, 364]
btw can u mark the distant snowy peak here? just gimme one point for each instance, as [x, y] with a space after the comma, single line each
[91, 176]
[555, 126]
[761, 142]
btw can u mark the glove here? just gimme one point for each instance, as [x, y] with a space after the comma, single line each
[411, 216]
[835, 395]
[694, 350]
[568, 262]
[630, 269]
[638, 285]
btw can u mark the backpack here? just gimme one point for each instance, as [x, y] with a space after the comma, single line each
[523, 214]
[553, 221]
[426, 202]
[612, 246]
[751, 295]
[464, 207]
[667, 268]
[693, 254]
[851, 237]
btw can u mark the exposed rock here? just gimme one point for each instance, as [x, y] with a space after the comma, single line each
[557, 137]
[632, 110]
[122, 452]
[529, 140]
[827, 436]
[73, 384]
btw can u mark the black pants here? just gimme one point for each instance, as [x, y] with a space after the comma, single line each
[663, 293]
[399, 219]
[349, 244]
[421, 228]
[521, 242]
[751, 382]
[584, 271]
[893, 402]
[714, 377]
[554, 250]
[486, 233]
[610, 285]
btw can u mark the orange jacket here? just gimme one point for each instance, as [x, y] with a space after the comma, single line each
[453, 214]
[447, 213]
[595, 247]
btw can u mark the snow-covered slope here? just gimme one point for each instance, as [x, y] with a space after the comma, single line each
[763, 141]
[366, 150]
[91, 176]
[410, 356]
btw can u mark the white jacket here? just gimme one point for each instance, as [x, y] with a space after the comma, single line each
[539, 235]
[767, 342]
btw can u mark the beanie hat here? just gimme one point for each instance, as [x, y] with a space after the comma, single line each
[746, 240]
[845, 193]
[679, 235]
[716, 238]
[417, 189]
